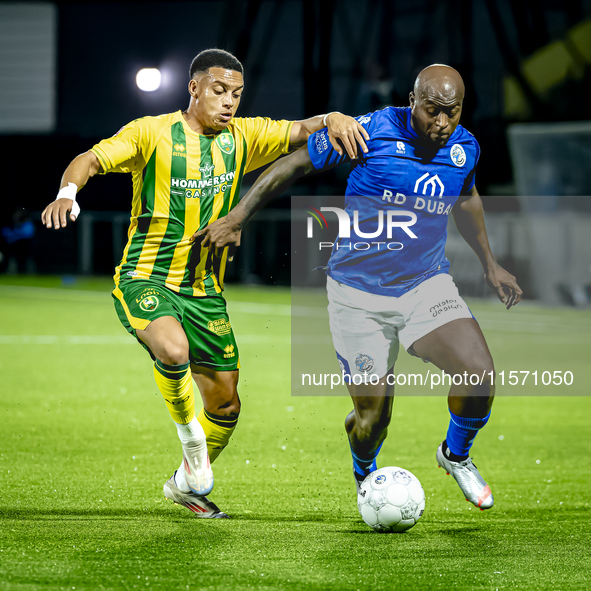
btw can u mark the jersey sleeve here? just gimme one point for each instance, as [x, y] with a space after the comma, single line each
[266, 139]
[471, 178]
[126, 151]
[323, 155]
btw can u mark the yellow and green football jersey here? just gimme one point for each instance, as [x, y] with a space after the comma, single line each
[183, 181]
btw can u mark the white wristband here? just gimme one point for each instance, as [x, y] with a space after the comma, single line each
[324, 119]
[69, 192]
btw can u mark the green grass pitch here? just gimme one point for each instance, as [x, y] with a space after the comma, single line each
[87, 443]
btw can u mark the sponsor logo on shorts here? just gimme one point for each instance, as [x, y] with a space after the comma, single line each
[149, 303]
[457, 154]
[132, 273]
[400, 148]
[220, 327]
[364, 119]
[364, 362]
[229, 349]
[444, 306]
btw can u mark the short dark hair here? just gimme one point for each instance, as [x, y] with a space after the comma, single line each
[215, 58]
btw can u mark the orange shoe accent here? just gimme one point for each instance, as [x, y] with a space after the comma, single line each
[484, 494]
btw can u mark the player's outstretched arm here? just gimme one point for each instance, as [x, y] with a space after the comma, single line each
[276, 179]
[469, 218]
[75, 177]
[343, 132]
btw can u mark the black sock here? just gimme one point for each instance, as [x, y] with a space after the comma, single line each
[450, 455]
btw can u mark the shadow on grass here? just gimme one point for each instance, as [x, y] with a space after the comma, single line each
[309, 518]
[456, 531]
[168, 512]
[33, 513]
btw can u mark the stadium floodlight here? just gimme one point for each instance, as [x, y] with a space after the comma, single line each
[148, 79]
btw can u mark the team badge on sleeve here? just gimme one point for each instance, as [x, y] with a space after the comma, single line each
[458, 156]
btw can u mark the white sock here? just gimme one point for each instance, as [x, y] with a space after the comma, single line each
[179, 478]
[191, 433]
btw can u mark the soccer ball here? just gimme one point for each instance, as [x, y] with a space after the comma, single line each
[391, 499]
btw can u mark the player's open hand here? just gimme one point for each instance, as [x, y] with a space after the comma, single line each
[350, 133]
[504, 285]
[56, 213]
[219, 234]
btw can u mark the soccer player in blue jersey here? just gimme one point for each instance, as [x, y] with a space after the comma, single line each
[418, 168]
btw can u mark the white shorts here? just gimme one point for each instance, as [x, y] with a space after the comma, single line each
[366, 328]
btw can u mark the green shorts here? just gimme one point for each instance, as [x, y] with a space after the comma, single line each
[204, 320]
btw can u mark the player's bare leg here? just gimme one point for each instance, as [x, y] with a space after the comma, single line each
[367, 424]
[459, 348]
[167, 341]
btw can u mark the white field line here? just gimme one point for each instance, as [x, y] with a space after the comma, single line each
[537, 328]
[49, 293]
[60, 340]
[85, 296]
[489, 321]
[245, 339]
[257, 308]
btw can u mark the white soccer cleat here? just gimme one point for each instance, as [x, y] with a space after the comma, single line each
[198, 472]
[201, 506]
[466, 474]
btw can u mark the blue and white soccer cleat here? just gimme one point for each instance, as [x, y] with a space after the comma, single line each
[198, 472]
[201, 506]
[465, 473]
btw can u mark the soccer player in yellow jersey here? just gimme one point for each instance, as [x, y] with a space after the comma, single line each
[187, 168]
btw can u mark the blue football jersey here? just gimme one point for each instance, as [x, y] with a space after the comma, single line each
[398, 199]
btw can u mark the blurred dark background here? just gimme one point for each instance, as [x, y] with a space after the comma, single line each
[526, 61]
